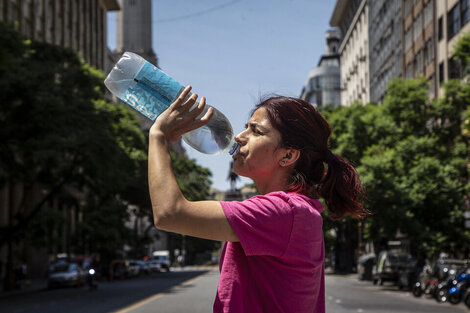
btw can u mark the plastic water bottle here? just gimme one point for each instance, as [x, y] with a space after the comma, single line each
[147, 89]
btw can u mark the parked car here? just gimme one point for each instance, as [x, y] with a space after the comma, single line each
[389, 266]
[154, 266]
[134, 268]
[143, 267]
[65, 274]
[163, 258]
[365, 265]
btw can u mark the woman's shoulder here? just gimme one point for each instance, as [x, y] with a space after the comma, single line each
[295, 200]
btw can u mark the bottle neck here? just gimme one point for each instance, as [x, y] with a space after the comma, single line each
[233, 147]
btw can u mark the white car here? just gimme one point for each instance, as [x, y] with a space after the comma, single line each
[65, 274]
[163, 258]
[154, 266]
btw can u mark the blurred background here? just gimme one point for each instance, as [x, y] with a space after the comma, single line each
[390, 76]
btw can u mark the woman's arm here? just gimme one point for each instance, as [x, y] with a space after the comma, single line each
[171, 211]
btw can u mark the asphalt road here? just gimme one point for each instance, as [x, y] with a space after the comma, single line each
[108, 297]
[346, 294]
[193, 290]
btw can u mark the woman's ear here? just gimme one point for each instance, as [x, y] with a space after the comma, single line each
[291, 156]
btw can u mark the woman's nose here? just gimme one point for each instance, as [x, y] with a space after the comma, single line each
[240, 138]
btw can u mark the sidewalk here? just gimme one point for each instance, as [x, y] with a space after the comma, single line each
[28, 286]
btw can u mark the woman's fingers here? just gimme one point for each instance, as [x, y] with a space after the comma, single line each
[197, 110]
[180, 100]
[187, 105]
[200, 122]
[181, 118]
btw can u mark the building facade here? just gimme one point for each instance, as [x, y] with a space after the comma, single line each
[323, 85]
[385, 45]
[352, 17]
[134, 29]
[453, 18]
[419, 41]
[75, 24]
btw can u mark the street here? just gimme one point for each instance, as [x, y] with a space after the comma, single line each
[171, 292]
[193, 290]
[346, 294]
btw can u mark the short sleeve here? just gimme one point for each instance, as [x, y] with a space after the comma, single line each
[262, 223]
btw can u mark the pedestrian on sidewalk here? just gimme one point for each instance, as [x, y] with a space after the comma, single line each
[273, 258]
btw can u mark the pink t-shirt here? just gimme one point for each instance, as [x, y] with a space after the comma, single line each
[278, 264]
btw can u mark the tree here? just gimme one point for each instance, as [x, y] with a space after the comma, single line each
[412, 157]
[194, 182]
[60, 141]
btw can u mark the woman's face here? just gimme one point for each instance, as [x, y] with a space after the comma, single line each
[259, 154]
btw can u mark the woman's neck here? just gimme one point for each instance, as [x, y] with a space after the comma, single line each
[266, 186]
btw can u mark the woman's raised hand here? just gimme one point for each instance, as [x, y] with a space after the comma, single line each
[178, 119]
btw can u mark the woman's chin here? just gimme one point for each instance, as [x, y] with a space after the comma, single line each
[239, 170]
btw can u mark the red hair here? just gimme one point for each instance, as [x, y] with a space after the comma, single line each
[303, 128]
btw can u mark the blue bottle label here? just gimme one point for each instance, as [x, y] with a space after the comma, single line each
[153, 92]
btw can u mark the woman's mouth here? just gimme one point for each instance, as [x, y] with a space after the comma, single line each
[237, 155]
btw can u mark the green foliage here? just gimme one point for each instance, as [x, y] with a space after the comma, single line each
[412, 157]
[194, 182]
[65, 144]
[74, 155]
[462, 50]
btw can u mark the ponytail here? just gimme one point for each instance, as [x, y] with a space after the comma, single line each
[341, 188]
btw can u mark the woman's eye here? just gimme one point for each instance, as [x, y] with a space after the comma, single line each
[253, 129]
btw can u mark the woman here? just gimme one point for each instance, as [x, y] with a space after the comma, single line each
[272, 260]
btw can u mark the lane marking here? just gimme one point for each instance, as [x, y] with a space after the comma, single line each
[158, 295]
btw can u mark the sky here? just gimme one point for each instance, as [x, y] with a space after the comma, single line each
[234, 52]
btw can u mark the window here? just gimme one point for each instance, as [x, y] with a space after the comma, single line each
[13, 11]
[27, 18]
[441, 72]
[453, 21]
[428, 13]
[417, 28]
[455, 68]
[464, 11]
[408, 39]
[408, 70]
[440, 30]
[431, 85]
[407, 7]
[418, 63]
[428, 52]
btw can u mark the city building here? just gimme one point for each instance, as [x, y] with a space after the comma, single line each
[385, 45]
[134, 29]
[419, 41]
[323, 85]
[453, 18]
[352, 18]
[80, 25]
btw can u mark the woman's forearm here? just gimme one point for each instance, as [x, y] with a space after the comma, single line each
[165, 194]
